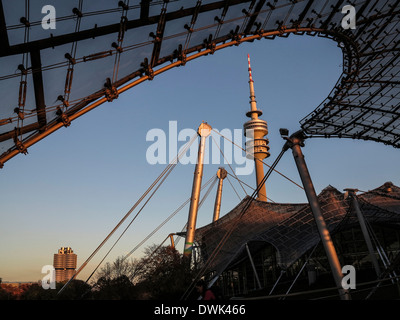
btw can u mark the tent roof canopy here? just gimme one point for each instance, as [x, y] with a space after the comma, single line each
[99, 49]
[291, 228]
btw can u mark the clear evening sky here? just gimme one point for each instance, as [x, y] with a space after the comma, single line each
[75, 186]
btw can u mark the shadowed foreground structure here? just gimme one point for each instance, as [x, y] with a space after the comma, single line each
[280, 236]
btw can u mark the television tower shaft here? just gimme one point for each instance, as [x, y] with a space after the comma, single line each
[255, 130]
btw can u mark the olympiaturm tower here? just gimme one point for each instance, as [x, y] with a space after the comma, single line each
[256, 129]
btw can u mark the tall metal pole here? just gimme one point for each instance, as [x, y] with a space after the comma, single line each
[203, 131]
[295, 142]
[221, 174]
[253, 266]
[171, 237]
[364, 230]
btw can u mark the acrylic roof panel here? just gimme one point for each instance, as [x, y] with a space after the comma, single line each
[50, 77]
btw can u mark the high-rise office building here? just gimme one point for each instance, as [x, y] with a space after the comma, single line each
[65, 264]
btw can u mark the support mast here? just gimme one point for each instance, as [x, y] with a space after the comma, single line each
[364, 229]
[295, 142]
[221, 174]
[203, 131]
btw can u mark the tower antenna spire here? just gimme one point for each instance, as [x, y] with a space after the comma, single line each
[254, 113]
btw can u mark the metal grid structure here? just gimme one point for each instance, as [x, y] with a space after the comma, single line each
[50, 77]
[291, 228]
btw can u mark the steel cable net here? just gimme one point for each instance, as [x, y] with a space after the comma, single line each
[49, 77]
[291, 228]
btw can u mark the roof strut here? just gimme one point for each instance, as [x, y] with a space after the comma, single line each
[254, 16]
[158, 37]
[38, 87]
[144, 9]
[4, 44]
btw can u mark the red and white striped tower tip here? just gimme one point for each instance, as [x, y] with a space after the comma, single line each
[250, 76]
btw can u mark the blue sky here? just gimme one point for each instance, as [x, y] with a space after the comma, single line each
[75, 186]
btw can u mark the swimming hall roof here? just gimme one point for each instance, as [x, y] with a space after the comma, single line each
[291, 228]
